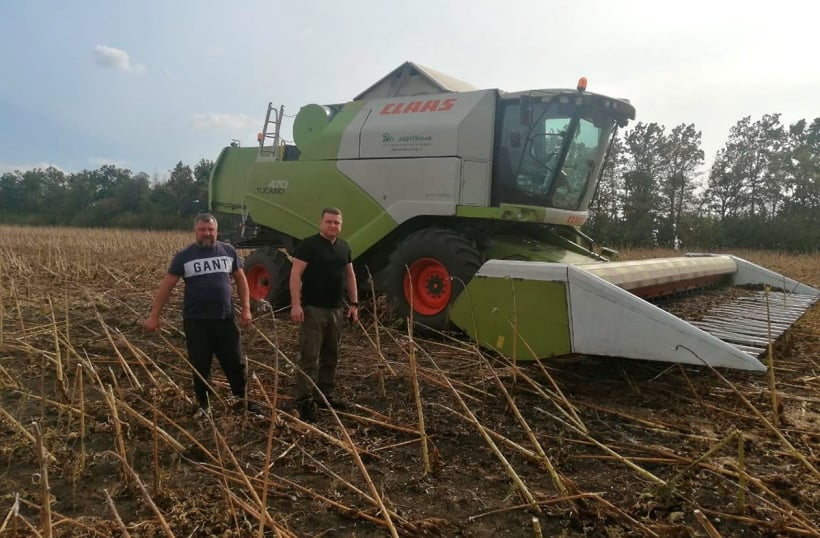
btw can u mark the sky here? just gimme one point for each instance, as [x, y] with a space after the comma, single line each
[144, 85]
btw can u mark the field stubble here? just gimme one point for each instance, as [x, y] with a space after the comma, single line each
[98, 436]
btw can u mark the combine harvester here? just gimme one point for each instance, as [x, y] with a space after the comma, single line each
[466, 204]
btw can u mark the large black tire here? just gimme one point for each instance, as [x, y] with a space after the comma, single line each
[268, 273]
[440, 263]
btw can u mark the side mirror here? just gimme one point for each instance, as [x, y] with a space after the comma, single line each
[525, 110]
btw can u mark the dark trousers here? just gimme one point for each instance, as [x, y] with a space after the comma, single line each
[320, 337]
[206, 338]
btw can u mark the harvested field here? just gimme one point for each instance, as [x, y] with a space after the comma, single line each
[98, 437]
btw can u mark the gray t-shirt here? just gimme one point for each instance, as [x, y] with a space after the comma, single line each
[207, 274]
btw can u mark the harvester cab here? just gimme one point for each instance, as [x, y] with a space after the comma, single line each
[465, 205]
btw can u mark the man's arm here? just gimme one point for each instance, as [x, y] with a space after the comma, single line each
[352, 292]
[296, 312]
[161, 297]
[245, 316]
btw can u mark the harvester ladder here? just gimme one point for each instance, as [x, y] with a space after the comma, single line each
[272, 117]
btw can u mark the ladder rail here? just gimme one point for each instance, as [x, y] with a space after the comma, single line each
[275, 135]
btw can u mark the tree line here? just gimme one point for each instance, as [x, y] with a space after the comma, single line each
[762, 191]
[107, 196]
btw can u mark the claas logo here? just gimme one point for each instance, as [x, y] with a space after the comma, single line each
[432, 105]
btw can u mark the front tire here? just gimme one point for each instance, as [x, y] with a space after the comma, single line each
[430, 269]
[268, 274]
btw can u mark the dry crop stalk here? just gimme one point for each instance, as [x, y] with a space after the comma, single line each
[707, 525]
[544, 459]
[626, 461]
[45, 496]
[117, 517]
[770, 348]
[377, 347]
[376, 324]
[347, 510]
[19, 310]
[536, 527]
[120, 442]
[176, 445]
[569, 412]
[348, 445]
[13, 514]
[793, 451]
[67, 320]
[43, 388]
[263, 505]
[414, 383]
[245, 479]
[722, 443]
[155, 449]
[128, 372]
[62, 384]
[275, 402]
[82, 416]
[522, 488]
[2, 309]
[644, 529]
[336, 476]
[145, 357]
[137, 356]
[136, 478]
[741, 461]
[223, 475]
[197, 374]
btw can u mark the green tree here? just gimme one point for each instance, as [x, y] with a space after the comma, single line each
[682, 156]
[202, 177]
[643, 166]
[606, 207]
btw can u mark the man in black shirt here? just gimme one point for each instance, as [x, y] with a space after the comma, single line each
[322, 268]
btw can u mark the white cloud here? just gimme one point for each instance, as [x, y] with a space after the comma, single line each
[113, 58]
[25, 167]
[216, 120]
[215, 51]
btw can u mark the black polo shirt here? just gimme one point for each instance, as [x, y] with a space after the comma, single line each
[323, 282]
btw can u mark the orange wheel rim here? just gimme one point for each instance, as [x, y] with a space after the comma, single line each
[427, 286]
[258, 282]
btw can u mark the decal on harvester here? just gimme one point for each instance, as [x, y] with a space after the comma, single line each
[431, 105]
[276, 186]
[406, 143]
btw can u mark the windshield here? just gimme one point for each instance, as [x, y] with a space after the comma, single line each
[553, 160]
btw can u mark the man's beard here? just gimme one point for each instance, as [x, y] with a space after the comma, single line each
[206, 242]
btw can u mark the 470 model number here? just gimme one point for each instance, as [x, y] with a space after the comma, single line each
[277, 186]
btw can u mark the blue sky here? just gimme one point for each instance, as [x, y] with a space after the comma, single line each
[146, 84]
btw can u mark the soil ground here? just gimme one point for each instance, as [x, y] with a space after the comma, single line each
[98, 435]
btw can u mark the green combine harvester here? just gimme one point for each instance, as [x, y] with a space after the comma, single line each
[465, 205]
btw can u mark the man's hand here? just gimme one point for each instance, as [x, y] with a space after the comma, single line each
[245, 317]
[151, 324]
[353, 313]
[297, 314]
